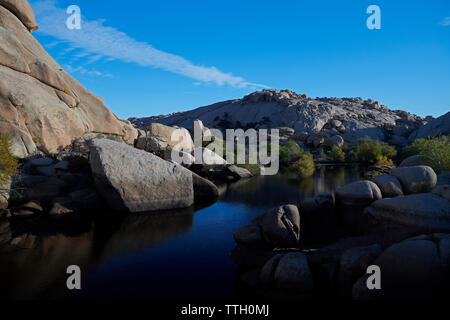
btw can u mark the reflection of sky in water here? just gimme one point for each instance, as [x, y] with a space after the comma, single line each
[169, 255]
[195, 263]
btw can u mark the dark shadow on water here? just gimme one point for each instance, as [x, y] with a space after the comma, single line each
[164, 255]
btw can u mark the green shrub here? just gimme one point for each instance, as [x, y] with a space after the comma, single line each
[373, 152]
[336, 154]
[436, 149]
[322, 156]
[8, 163]
[290, 152]
[304, 166]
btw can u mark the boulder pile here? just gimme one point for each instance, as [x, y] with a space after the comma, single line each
[399, 222]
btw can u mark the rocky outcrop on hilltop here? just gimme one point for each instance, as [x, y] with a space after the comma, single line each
[43, 108]
[320, 121]
[436, 127]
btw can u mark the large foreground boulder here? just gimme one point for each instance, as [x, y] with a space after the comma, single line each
[417, 268]
[42, 107]
[407, 216]
[133, 180]
[417, 179]
[287, 277]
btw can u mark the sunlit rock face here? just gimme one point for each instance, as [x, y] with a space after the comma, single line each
[348, 118]
[42, 107]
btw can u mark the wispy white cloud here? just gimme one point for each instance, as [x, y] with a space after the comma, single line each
[84, 71]
[446, 22]
[108, 42]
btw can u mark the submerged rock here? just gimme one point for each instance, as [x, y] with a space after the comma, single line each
[133, 180]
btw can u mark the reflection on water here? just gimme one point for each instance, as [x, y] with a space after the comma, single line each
[168, 255]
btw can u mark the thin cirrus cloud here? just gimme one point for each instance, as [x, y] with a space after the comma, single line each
[446, 22]
[108, 42]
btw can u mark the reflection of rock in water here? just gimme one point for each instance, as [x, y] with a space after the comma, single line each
[40, 272]
[145, 230]
[271, 191]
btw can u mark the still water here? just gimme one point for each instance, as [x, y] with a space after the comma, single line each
[164, 256]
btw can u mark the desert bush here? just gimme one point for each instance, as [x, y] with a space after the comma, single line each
[336, 154]
[304, 166]
[373, 152]
[289, 152]
[8, 163]
[436, 149]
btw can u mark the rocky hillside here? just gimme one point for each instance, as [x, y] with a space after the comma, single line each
[42, 107]
[308, 119]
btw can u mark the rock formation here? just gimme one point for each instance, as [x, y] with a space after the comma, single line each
[329, 121]
[42, 107]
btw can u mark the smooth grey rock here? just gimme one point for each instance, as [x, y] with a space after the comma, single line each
[152, 143]
[408, 215]
[136, 181]
[293, 274]
[250, 235]
[442, 191]
[280, 226]
[361, 193]
[417, 179]
[187, 160]
[175, 137]
[417, 160]
[266, 276]
[389, 185]
[204, 190]
[412, 269]
[208, 157]
[353, 265]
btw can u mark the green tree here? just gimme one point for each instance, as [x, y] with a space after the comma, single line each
[336, 154]
[374, 152]
[304, 166]
[436, 149]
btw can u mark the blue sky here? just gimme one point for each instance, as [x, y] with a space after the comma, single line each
[157, 57]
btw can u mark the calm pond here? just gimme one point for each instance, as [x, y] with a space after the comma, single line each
[171, 255]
